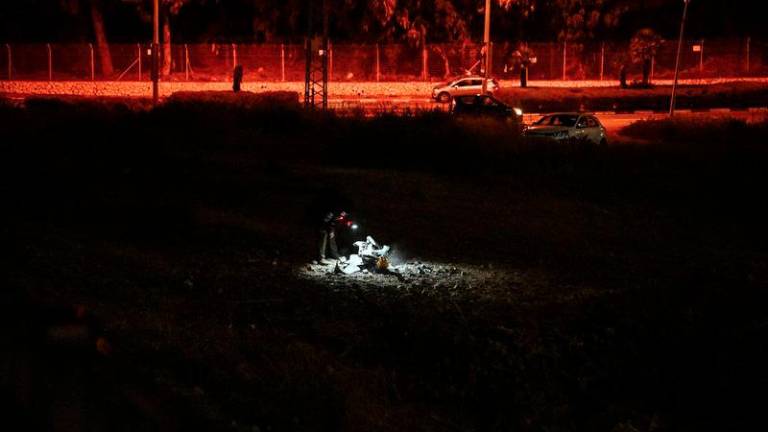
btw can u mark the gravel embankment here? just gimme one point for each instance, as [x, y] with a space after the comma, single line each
[336, 89]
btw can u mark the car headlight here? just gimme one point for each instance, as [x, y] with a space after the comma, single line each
[518, 111]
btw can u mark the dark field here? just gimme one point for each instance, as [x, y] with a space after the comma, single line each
[154, 273]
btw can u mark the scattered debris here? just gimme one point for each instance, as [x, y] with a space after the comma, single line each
[374, 265]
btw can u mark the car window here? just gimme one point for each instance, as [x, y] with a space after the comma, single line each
[463, 83]
[477, 82]
[591, 122]
[566, 120]
[466, 100]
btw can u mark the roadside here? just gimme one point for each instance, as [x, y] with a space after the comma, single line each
[337, 89]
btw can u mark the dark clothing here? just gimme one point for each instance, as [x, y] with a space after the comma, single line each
[523, 76]
[237, 78]
[328, 236]
[328, 241]
[623, 77]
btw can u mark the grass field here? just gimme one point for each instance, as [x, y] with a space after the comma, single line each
[731, 95]
[618, 288]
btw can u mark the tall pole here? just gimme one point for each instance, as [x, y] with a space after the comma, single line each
[565, 60]
[156, 51]
[138, 59]
[186, 62]
[92, 62]
[677, 62]
[50, 61]
[327, 50]
[487, 45]
[10, 61]
[308, 96]
[602, 61]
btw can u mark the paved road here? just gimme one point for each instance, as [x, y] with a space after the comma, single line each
[614, 122]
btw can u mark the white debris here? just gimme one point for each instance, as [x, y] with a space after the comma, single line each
[369, 250]
[349, 269]
[369, 253]
[355, 260]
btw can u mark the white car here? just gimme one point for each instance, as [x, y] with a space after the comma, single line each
[578, 127]
[465, 86]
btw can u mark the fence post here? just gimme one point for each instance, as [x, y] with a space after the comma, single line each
[749, 41]
[490, 59]
[330, 60]
[50, 62]
[701, 59]
[282, 62]
[424, 62]
[552, 58]
[653, 66]
[186, 62]
[565, 60]
[138, 51]
[602, 61]
[93, 62]
[10, 61]
[234, 55]
[378, 64]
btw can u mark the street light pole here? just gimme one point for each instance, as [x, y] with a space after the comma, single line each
[677, 62]
[156, 51]
[487, 45]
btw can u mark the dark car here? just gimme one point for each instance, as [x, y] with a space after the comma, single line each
[485, 106]
[579, 127]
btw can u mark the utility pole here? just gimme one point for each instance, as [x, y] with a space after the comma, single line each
[156, 51]
[316, 57]
[487, 45]
[677, 62]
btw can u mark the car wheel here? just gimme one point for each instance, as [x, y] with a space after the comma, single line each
[444, 97]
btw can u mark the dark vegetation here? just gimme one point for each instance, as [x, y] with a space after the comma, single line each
[712, 132]
[730, 95]
[625, 285]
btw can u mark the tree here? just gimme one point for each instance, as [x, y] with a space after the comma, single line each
[170, 8]
[99, 30]
[643, 48]
[100, 33]
[586, 19]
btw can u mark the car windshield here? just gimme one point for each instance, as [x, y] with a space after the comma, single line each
[567, 120]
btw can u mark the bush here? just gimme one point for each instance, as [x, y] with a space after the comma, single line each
[240, 100]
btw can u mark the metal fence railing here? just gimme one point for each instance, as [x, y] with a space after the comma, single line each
[390, 62]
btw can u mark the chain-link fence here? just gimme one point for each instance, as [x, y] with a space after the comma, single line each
[391, 62]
